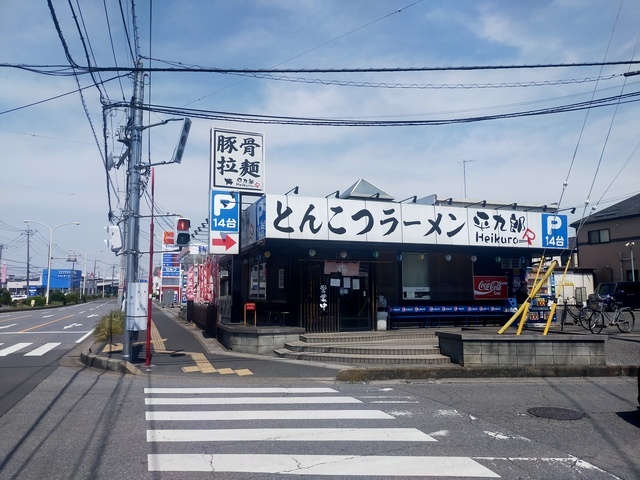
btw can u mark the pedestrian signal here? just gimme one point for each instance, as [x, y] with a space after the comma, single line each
[182, 232]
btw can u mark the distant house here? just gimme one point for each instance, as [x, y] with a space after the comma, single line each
[606, 240]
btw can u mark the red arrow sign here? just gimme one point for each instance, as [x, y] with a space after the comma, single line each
[227, 242]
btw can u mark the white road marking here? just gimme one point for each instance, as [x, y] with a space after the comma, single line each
[8, 326]
[84, 336]
[47, 316]
[291, 435]
[14, 348]
[214, 390]
[331, 465]
[395, 401]
[41, 350]
[72, 325]
[268, 415]
[247, 400]
[72, 332]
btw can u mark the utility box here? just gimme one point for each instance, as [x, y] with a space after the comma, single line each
[136, 306]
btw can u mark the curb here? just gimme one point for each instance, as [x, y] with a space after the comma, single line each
[421, 373]
[109, 364]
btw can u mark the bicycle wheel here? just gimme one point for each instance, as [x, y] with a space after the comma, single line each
[584, 315]
[596, 322]
[625, 320]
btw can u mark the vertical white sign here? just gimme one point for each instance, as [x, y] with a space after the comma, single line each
[237, 160]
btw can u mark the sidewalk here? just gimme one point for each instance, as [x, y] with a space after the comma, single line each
[177, 346]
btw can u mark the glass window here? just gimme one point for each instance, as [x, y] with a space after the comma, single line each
[415, 277]
[599, 236]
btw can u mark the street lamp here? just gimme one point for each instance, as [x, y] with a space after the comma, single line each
[84, 269]
[633, 272]
[50, 246]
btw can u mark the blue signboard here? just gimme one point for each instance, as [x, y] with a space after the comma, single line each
[170, 259]
[63, 279]
[168, 271]
[555, 232]
[225, 211]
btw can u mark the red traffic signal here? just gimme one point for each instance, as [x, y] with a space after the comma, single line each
[182, 232]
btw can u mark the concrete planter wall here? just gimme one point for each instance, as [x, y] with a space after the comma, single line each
[257, 340]
[530, 349]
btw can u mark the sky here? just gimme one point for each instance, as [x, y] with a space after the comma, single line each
[53, 137]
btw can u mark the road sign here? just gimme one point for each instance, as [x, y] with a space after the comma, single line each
[224, 243]
[224, 222]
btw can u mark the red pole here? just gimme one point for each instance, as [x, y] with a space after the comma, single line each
[150, 284]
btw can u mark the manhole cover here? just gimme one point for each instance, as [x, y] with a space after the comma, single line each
[556, 413]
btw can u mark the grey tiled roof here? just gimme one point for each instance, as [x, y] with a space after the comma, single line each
[624, 209]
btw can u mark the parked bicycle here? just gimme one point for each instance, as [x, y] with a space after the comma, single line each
[623, 317]
[580, 315]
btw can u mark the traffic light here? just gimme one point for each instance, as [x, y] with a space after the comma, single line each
[182, 232]
[114, 238]
[182, 141]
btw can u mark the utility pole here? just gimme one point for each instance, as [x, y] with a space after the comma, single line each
[464, 175]
[28, 232]
[133, 209]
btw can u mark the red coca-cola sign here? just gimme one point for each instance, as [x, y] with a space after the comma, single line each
[490, 288]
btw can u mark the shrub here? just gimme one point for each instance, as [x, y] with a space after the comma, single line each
[57, 296]
[5, 297]
[38, 301]
[111, 324]
[73, 298]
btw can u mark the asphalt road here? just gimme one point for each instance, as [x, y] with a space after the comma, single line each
[84, 423]
[33, 340]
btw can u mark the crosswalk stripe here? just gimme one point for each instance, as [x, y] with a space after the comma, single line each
[13, 348]
[332, 465]
[228, 390]
[268, 415]
[247, 400]
[291, 435]
[41, 350]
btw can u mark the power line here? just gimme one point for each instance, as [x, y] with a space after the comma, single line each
[340, 122]
[180, 67]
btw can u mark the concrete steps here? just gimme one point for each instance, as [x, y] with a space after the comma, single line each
[410, 347]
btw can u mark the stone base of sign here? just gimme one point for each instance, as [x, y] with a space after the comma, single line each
[473, 348]
[260, 340]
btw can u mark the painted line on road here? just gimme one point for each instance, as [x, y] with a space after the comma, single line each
[14, 318]
[9, 326]
[13, 348]
[46, 323]
[291, 435]
[42, 350]
[65, 332]
[268, 415]
[84, 336]
[227, 390]
[333, 465]
[246, 400]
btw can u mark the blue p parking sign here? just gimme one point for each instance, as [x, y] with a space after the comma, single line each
[225, 212]
[555, 232]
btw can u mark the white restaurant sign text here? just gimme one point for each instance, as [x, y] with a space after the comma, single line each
[294, 217]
